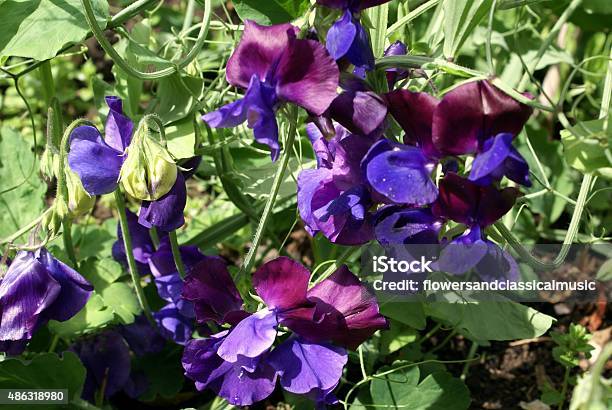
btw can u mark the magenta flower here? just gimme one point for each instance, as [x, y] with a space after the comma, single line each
[242, 365]
[35, 289]
[275, 67]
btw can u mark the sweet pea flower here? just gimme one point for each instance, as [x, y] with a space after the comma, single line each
[396, 224]
[35, 289]
[334, 198]
[474, 118]
[347, 37]
[395, 74]
[275, 67]
[142, 245]
[477, 207]
[241, 365]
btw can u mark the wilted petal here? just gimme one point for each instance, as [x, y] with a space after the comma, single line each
[400, 173]
[211, 289]
[414, 113]
[258, 51]
[251, 337]
[282, 283]
[304, 366]
[173, 325]
[307, 76]
[96, 163]
[107, 359]
[399, 225]
[118, 128]
[341, 35]
[166, 213]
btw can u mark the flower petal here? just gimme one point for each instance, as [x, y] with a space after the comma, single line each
[399, 173]
[251, 337]
[309, 181]
[360, 54]
[258, 50]
[414, 113]
[489, 160]
[341, 35]
[307, 76]
[97, 164]
[166, 213]
[497, 264]
[360, 112]
[118, 128]
[211, 289]
[304, 366]
[142, 245]
[173, 325]
[282, 283]
[400, 225]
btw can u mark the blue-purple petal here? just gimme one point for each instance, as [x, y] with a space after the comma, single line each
[341, 36]
[166, 213]
[250, 338]
[118, 128]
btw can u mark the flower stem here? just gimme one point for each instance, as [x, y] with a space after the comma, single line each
[176, 254]
[68, 244]
[278, 179]
[127, 243]
[126, 67]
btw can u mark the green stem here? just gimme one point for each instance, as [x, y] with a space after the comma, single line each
[278, 179]
[126, 67]
[68, 245]
[129, 252]
[48, 85]
[566, 376]
[411, 16]
[547, 41]
[188, 15]
[466, 366]
[176, 254]
[154, 236]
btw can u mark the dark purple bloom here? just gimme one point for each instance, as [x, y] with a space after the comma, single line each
[35, 289]
[466, 202]
[142, 337]
[97, 160]
[400, 173]
[174, 324]
[106, 357]
[402, 225]
[395, 74]
[333, 198]
[241, 364]
[498, 158]
[347, 37]
[357, 108]
[275, 67]
[166, 213]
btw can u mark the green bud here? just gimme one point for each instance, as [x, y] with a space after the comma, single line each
[79, 201]
[149, 171]
[52, 221]
[49, 164]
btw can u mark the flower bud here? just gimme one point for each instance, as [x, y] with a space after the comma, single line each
[79, 201]
[149, 171]
[49, 164]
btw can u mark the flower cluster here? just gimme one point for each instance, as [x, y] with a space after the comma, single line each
[314, 327]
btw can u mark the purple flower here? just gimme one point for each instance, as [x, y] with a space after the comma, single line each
[35, 289]
[357, 108]
[347, 37]
[106, 357]
[334, 198]
[397, 224]
[400, 173]
[395, 74]
[275, 67]
[241, 364]
[142, 245]
[166, 213]
[142, 337]
[97, 160]
[476, 206]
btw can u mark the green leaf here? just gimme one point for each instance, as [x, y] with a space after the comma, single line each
[121, 298]
[396, 337]
[93, 316]
[604, 273]
[18, 168]
[584, 146]
[164, 374]
[40, 28]
[439, 390]
[485, 320]
[408, 313]
[271, 11]
[44, 371]
[178, 96]
[460, 19]
[181, 139]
